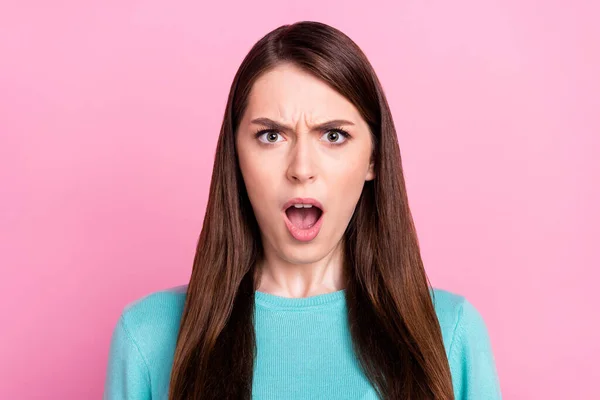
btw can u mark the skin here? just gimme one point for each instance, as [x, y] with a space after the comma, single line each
[302, 162]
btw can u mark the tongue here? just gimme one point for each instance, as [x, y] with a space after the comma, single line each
[303, 218]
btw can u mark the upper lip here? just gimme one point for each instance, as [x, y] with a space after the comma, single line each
[303, 200]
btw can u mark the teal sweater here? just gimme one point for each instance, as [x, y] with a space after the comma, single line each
[304, 349]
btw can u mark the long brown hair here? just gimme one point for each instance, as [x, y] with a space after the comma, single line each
[394, 327]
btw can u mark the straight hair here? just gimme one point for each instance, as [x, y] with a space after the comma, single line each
[395, 332]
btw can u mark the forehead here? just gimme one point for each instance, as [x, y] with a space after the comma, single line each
[287, 92]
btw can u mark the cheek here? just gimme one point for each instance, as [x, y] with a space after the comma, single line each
[352, 175]
[251, 170]
[258, 178]
[347, 187]
[259, 186]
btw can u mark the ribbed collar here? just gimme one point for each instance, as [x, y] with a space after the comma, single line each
[273, 301]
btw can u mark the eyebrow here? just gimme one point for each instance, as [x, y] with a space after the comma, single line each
[269, 123]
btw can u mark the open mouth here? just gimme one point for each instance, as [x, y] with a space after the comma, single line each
[303, 217]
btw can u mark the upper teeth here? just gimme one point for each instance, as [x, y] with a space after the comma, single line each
[303, 205]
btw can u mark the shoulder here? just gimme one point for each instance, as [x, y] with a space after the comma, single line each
[160, 307]
[152, 322]
[468, 346]
[456, 314]
[449, 307]
[155, 317]
[143, 344]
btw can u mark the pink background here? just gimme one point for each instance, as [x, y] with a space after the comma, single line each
[109, 116]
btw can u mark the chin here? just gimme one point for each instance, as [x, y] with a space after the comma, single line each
[302, 254]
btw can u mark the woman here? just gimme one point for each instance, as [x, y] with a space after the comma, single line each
[307, 281]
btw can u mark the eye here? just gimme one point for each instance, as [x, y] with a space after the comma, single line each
[269, 134]
[335, 134]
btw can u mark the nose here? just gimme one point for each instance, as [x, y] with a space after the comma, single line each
[302, 167]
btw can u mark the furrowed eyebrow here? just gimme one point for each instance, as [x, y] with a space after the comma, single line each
[269, 123]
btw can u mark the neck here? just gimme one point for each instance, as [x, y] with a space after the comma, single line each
[288, 279]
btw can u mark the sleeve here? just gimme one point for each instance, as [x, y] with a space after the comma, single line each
[472, 364]
[127, 375]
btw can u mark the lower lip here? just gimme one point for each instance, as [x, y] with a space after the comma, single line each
[304, 235]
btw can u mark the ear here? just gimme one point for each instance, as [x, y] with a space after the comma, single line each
[371, 172]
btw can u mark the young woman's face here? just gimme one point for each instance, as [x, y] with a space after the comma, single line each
[301, 160]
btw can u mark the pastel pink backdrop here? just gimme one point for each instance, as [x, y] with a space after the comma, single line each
[109, 116]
